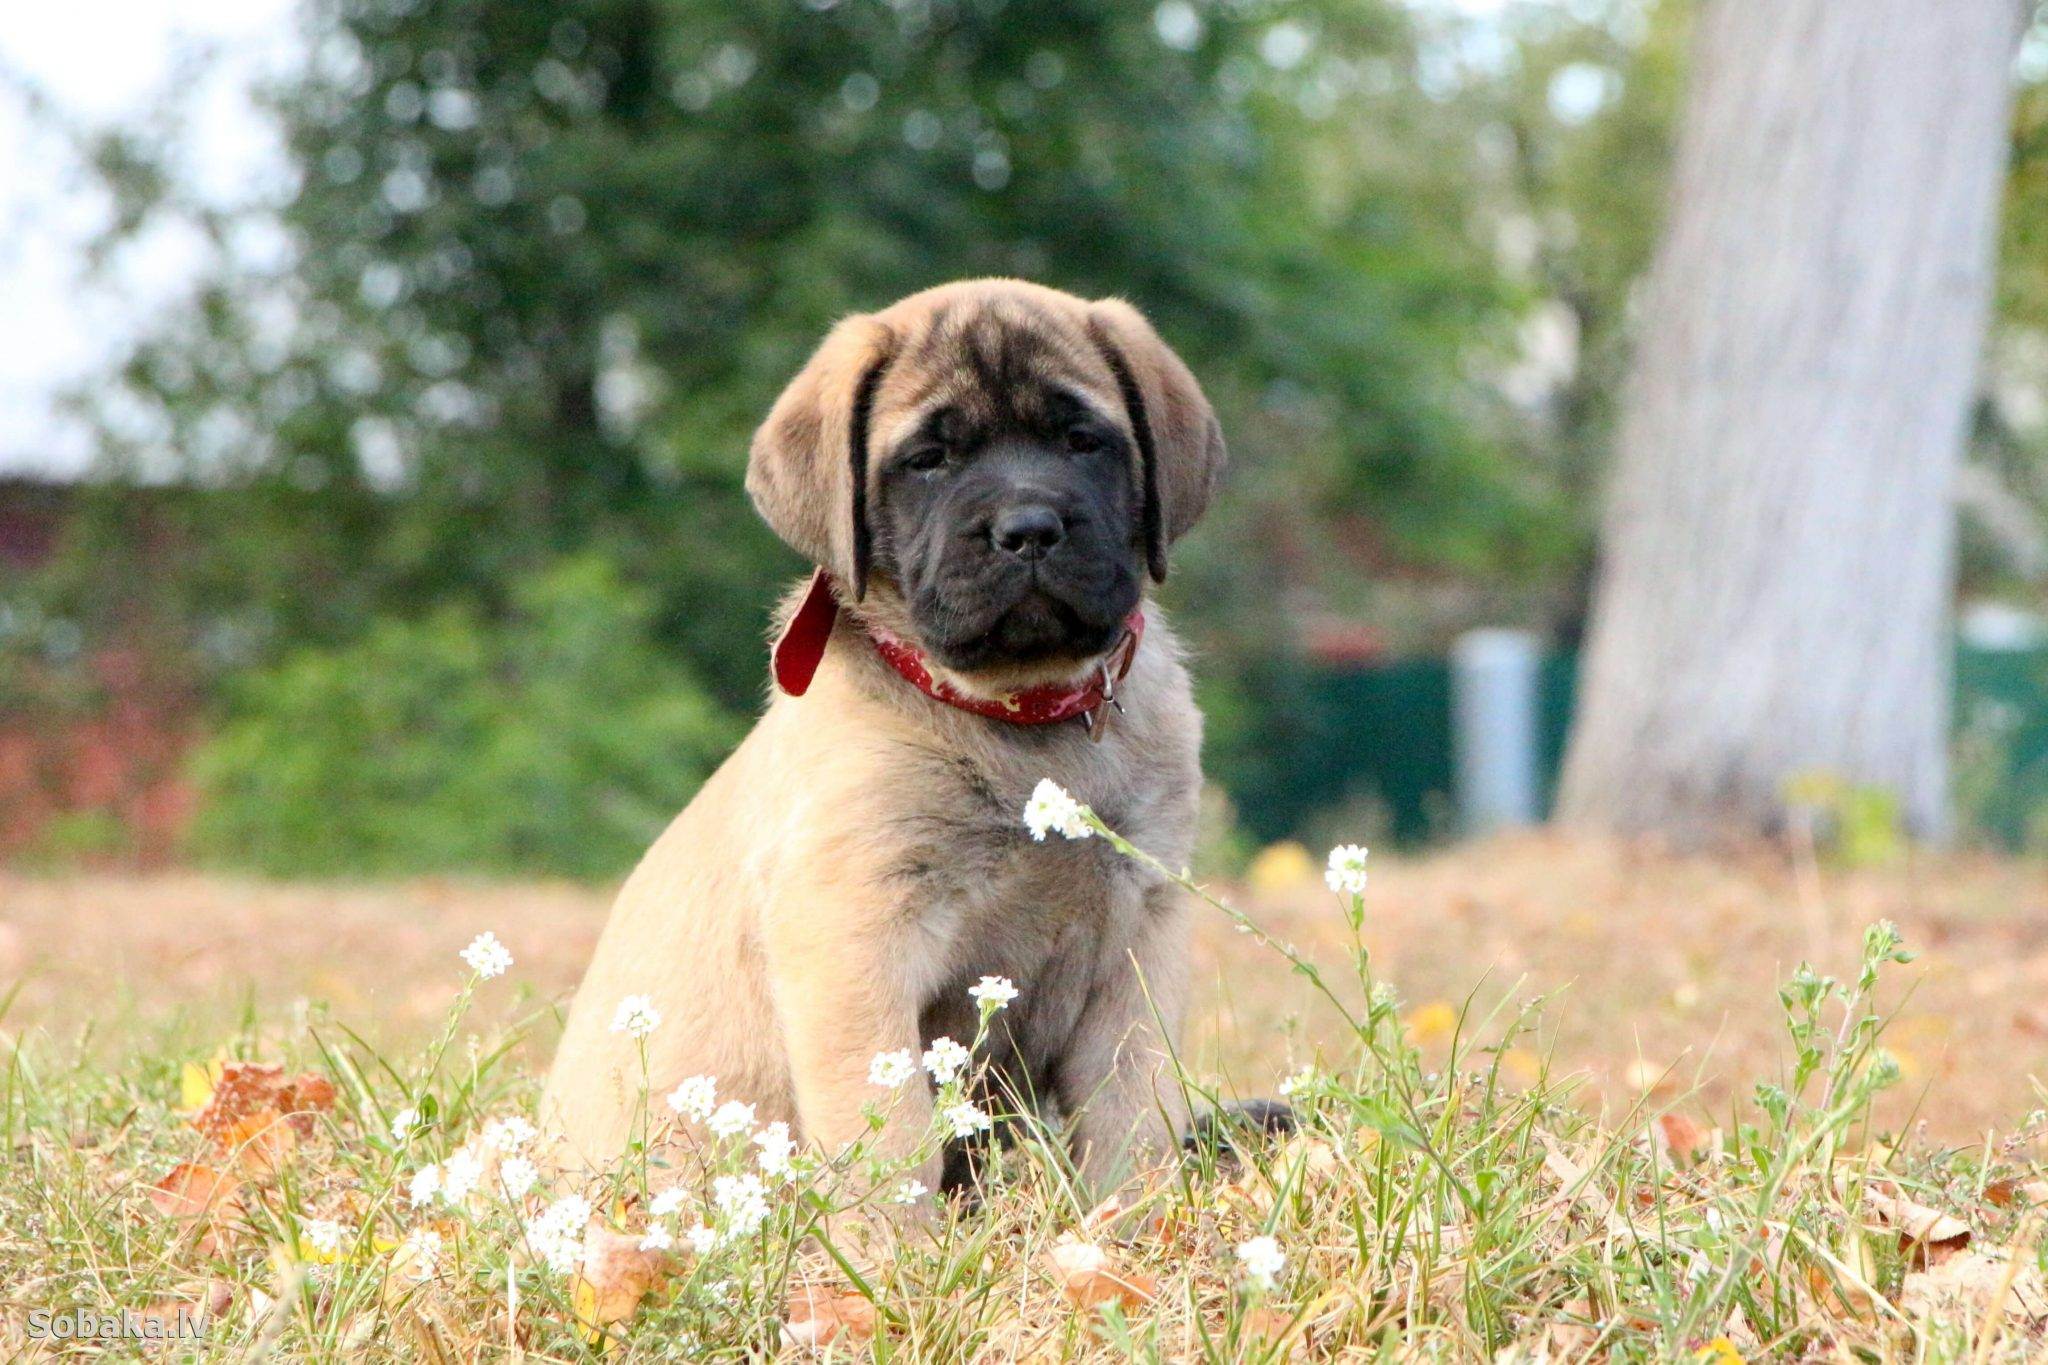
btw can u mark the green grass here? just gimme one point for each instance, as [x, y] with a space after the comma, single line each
[1427, 1208]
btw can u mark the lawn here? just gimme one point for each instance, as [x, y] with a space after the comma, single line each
[1530, 1086]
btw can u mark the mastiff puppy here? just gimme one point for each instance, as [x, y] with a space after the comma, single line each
[986, 475]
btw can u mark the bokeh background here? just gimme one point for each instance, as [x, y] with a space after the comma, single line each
[377, 377]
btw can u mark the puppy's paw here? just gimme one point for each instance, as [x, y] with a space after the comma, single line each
[1228, 1131]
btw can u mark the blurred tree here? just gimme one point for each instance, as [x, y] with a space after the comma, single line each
[1778, 547]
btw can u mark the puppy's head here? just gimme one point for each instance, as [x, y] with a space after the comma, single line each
[994, 467]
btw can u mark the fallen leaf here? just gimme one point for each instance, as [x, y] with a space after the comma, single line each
[1685, 1140]
[1969, 1282]
[1267, 1323]
[1088, 1276]
[616, 1274]
[1578, 1187]
[1719, 1351]
[819, 1316]
[196, 1085]
[1281, 867]
[305, 1095]
[242, 1089]
[191, 1192]
[1108, 1211]
[259, 1143]
[2013, 1191]
[1925, 1232]
[199, 1199]
[1432, 1022]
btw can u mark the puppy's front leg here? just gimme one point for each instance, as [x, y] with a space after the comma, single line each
[1117, 1078]
[846, 988]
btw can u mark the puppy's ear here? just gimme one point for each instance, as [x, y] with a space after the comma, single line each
[1180, 443]
[807, 468]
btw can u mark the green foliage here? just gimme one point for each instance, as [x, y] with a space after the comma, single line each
[543, 269]
[561, 741]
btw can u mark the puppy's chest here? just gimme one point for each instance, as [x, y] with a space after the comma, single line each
[978, 885]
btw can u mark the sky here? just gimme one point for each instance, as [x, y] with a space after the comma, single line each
[101, 61]
[105, 61]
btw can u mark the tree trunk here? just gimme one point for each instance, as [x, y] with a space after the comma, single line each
[1778, 545]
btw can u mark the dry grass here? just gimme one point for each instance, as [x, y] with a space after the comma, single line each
[1662, 969]
[1479, 1178]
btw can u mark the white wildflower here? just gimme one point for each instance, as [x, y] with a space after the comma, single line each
[403, 1122]
[486, 956]
[325, 1236]
[946, 1059]
[993, 993]
[518, 1175]
[556, 1233]
[910, 1191]
[891, 1069]
[670, 1200]
[777, 1147]
[1051, 809]
[421, 1253]
[426, 1183]
[743, 1199]
[636, 1015]
[459, 1176]
[1262, 1261]
[965, 1119]
[703, 1239]
[509, 1134]
[1300, 1082]
[694, 1098]
[1346, 872]
[657, 1238]
[732, 1118]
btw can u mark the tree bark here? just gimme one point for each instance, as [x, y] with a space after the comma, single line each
[1778, 542]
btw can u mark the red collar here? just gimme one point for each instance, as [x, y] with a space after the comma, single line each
[802, 645]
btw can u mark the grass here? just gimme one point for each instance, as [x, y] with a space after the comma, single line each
[1444, 1199]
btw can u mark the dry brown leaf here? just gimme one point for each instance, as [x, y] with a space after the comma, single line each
[1108, 1211]
[818, 1316]
[2013, 1191]
[305, 1095]
[259, 1143]
[1580, 1188]
[1966, 1284]
[1685, 1140]
[244, 1088]
[1089, 1276]
[199, 1199]
[194, 1306]
[192, 1193]
[1927, 1233]
[616, 1274]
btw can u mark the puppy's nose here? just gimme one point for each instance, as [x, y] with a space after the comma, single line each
[1029, 532]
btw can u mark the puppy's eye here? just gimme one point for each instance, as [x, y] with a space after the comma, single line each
[925, 458]
[1083, 441]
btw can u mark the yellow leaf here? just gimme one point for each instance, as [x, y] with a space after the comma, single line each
[196, 1083]
[1433, 1022]
[1281, 867]
[1719, 1351]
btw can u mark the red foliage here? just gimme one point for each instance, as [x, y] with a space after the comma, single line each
[111, 744]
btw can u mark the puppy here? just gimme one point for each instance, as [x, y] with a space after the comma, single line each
[986, 474]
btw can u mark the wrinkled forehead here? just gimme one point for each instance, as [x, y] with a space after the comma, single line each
[994, 364]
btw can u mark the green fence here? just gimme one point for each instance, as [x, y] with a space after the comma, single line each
[1347, 737]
